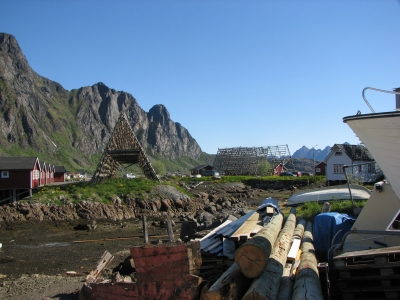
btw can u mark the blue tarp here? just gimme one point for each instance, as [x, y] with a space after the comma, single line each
[326, 226]
[272, 203]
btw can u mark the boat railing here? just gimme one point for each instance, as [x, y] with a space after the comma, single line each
[396, 92]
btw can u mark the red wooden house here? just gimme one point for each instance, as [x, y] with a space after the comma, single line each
[43, 171]
[279, 169]
[59, 173]
[50, 173]
[18, 176]
[320, 169]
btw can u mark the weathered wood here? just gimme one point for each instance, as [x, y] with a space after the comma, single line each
[245, 230]
[295, 264]
[170, 231]
[252, 256]
[101, 264]
[307, 284]
[145, 233]
[256, 230]
[216, 291]
[266, 286]
[299, 230]
[286, 285]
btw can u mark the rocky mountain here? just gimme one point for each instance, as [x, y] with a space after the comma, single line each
[39, 117]
[317, 154]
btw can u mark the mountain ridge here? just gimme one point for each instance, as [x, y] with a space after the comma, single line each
[316, 154]
[40, 118]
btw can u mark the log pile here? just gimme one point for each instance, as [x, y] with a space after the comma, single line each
[276, 263]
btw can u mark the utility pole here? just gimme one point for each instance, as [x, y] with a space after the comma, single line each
[313, 157]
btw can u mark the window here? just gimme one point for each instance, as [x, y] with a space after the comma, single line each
[317, 169]
[371, 168]
[339, 152]
[36, 174]
[337, 169]
[5, 174]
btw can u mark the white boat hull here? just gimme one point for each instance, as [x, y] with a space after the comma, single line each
[339, 192]
[380, 132]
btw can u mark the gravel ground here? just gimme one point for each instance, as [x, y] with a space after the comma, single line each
[37, 286]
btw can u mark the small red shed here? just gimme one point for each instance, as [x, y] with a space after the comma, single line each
[320, 169]
[18, 176]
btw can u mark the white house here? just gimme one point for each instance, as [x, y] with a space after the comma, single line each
[361, 164]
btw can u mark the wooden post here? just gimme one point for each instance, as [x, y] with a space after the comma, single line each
[307, 284]
[145, 234]
[252, 256]
[170, 231]
[299, 230]
[266, 286]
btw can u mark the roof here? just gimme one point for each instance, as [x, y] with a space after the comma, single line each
[355, 152]
[201, 167]
[18, 163]
[60, 169]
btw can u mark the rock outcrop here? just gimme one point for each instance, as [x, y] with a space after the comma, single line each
[68, 127]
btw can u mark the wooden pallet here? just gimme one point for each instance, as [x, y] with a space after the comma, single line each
[369, 274]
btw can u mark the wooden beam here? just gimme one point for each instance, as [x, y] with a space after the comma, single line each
[266, 286]
[101, 264]
[252, 256]
[307, 284]
[245, 230]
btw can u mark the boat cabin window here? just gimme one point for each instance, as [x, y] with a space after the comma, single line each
[396, 223]
[5, 174]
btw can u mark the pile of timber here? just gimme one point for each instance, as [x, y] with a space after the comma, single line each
[223, 240]
[276, 263]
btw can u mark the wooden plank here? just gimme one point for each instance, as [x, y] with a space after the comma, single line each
[101, 264]
[256, 230]
[294, 249]
[170, 231]
[246, 228]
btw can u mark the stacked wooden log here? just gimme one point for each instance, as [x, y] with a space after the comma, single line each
[271, 265]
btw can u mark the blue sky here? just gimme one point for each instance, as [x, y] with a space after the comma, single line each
[234, 73]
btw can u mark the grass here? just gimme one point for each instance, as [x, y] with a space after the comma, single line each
[309, 210]
[139, 188]
[103, 192]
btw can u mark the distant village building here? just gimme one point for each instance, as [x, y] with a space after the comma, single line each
[320, 169]
[197, 170]
[60, 174]
[20, 175]
[361, 164]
